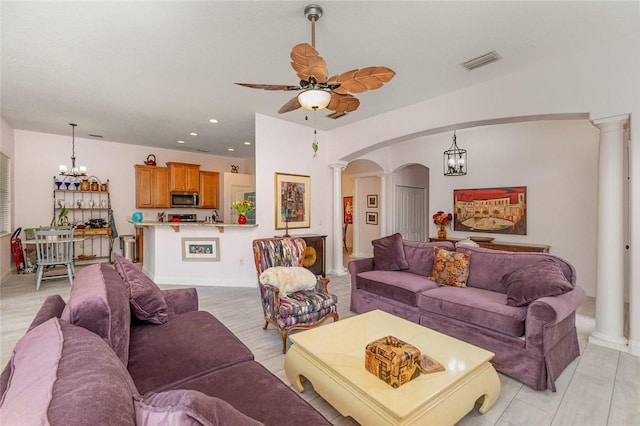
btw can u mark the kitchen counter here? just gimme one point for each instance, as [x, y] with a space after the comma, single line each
[177, 225]
[165, 258]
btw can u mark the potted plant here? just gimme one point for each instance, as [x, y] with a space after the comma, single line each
[242, 207]
[442, 220]
[61, 219]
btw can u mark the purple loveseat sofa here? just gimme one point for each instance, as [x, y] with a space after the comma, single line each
[91, 361]
[533, 341]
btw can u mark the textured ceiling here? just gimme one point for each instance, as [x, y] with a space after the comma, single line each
[150, 72]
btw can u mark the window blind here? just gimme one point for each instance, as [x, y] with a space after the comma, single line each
[5, 193]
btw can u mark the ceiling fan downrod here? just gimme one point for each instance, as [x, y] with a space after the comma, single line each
[313, 12]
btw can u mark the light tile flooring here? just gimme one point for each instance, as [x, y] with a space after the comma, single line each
[601, 387]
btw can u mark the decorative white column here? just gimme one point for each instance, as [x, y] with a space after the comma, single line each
[355, 250]
[338, 267]
[383, 204]
[609, 330]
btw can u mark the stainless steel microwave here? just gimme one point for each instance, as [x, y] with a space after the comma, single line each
[184, 199]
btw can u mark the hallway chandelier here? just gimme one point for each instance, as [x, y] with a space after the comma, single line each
[455, 160]
[75, 171]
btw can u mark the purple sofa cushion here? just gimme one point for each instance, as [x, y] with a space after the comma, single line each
[481, 307]
[388, 253]
[99, 302]
[253, 390]
[539, 279]
[189, 345]
[147, 301]
[450, 268]
[489, 266]
[184, 407]
[419, 255]
[397, 285]
[55, 370]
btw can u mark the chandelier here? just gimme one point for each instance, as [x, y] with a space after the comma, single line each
[75, 171]
[455, 160]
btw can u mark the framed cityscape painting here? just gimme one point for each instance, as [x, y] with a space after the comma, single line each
[494, 210]
[293, 201]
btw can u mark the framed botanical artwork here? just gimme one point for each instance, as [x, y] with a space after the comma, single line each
[372, 218]
[201, 249]
[347, 208]
[372, 201]
[293, 201]
[494, 210]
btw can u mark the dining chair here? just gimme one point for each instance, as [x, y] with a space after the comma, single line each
[54, 247]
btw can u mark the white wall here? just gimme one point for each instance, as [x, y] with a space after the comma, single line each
[286, 148]
[38, 155]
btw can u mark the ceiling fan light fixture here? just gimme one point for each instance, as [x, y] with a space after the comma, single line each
[314, 99]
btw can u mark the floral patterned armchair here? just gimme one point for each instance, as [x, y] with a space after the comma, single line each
[298, 310]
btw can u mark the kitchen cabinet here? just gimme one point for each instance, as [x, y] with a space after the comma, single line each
[152, 186]
[184, 177]
[89, 213]
[209, 190]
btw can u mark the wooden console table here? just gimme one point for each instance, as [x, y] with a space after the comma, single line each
[315, 243]
[497, 245]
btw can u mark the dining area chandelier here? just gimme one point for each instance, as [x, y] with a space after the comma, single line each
[74, 171]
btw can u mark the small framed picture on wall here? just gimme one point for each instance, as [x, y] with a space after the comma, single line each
[372, 218]
[372, 201]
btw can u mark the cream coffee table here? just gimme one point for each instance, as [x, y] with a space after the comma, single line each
[331, 357]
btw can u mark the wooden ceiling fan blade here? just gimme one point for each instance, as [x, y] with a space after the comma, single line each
[269, 86]
[292, 105]
[343, 102]
[307, 63]
[361, 80]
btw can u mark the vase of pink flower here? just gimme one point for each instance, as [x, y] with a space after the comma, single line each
[442, 220]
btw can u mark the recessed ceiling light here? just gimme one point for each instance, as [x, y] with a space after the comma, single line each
[213, 120]
[180, 141]
[193, 134]
[247, 143]
[230, 149]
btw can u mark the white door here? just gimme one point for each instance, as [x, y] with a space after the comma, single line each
[410, 213]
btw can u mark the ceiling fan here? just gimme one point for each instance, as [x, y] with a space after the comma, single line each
[317, 90]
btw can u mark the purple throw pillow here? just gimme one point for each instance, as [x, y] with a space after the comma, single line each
[539, 279]
[182, 407]
[388, 253]
[147, 301]
[64, 374]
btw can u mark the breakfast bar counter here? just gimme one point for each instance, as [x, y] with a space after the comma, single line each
[199, 253]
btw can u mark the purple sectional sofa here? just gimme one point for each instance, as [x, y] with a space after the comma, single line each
[520, 306]
[92, 360]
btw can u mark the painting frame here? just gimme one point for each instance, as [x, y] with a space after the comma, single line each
[347, 210]
[201, 249]
[372, 201]
[292, 201]
[371, 218]
[499, 210]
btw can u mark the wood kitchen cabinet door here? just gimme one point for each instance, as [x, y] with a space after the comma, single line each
[184, 177]
[152, 187]
[209, 190]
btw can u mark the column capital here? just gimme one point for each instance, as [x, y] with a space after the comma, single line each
[338, 166]
[608, 121]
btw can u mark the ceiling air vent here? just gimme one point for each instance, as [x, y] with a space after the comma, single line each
[485, 59]
[336, 115]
